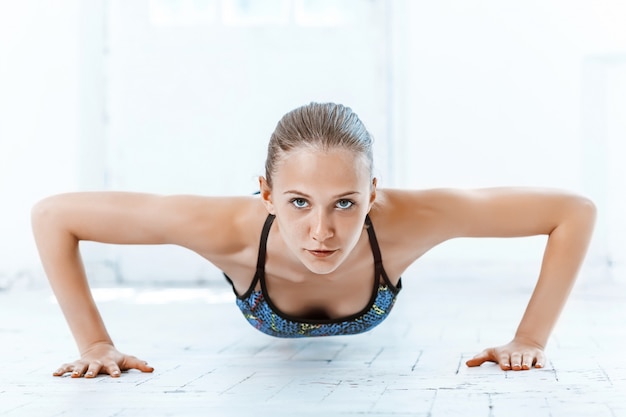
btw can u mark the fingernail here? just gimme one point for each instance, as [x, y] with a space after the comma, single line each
[89, 373]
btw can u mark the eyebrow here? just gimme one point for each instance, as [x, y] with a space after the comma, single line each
[308, 196]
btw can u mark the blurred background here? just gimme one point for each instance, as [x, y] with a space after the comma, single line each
[181, 96]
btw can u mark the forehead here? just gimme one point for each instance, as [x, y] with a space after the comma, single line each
[332, 169]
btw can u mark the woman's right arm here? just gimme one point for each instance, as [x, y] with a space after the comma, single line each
[60, 222]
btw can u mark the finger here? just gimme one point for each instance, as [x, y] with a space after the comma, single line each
[63, 369]
[131, 362]
[516, 361]
[528, 359]
[484, 356]
[79, 370]
[94, 369]
[113, 370]
[505, 361]
[540, 361]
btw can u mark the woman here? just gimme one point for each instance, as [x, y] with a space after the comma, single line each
[321, 250]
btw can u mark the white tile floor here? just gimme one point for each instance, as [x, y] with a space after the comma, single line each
[209, 361]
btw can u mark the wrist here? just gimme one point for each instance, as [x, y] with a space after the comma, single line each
[529, 340]
[96, 345]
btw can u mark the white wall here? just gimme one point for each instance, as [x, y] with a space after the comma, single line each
[184, 100]
[494, 97]
[143, 95]
[604, 147]
[39, 118]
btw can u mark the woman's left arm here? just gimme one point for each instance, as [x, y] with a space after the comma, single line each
[567, 219]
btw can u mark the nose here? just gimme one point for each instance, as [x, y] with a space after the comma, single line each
[321, 227]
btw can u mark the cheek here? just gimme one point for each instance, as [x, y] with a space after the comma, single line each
[293, 228]
[299, 230]
[350, 229]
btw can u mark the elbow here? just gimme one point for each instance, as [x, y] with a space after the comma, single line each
[583, 212]
[44, 214]
[38, 213]
[587, 209]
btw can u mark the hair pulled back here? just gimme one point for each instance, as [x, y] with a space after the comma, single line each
[321, 126]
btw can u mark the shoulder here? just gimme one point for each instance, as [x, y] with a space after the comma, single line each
[215, 226]
[400, 214]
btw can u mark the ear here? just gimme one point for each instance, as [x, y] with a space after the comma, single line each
[266, 195]
[373, 192]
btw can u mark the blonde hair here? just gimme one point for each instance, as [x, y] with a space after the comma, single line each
[320, 126]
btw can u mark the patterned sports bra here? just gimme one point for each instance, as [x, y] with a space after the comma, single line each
[261, 313]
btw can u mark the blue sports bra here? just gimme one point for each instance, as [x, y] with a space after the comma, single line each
[261, 313]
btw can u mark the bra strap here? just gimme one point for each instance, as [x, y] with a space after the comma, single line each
[378, 259]
[260, 263]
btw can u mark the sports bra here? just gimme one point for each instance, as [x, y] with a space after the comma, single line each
[261, 313]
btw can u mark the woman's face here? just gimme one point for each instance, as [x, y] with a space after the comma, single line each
[320, 199]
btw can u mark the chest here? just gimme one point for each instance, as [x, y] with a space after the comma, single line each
[322, 297]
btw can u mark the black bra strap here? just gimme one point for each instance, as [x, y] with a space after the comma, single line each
[260, 263]
[378, 259]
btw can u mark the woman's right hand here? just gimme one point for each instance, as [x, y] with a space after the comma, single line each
[102, 358]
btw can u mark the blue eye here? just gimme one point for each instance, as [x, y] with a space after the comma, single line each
[344, 204]
[299, 202]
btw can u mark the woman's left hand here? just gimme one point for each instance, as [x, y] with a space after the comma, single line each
[516, 355]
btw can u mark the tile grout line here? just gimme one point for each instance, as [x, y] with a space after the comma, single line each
[280, 390]
[198, 378]
[335, 386]
[237, 383]
[303, 347]
[378, 399]
[421, 352]
[432, 404]
[369, 364]
[605, 374]
[343, 347]
[458, 366]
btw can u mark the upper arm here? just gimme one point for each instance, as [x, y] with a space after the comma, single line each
[198, 223]
[511, 212]
[442, 214]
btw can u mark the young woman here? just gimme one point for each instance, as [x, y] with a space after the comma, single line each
[321, 250]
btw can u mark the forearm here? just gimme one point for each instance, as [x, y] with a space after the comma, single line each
[60, 257]
[565, 251]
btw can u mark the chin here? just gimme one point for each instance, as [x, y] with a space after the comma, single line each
[321, 270]
[321, 267]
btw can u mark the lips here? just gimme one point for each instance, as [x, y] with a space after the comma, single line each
[321, 253]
